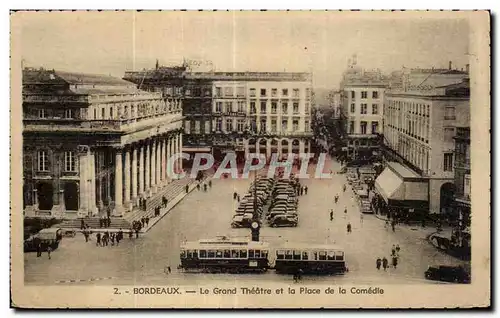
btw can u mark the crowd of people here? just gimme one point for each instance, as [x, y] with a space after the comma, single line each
[384, 262]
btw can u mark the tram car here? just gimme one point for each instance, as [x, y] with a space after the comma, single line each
[224, 254]
[292, 258]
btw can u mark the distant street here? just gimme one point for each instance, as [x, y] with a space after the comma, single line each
[208, 214]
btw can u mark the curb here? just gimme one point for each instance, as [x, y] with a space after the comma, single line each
[83, 280]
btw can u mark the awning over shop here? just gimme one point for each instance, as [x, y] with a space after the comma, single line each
[388, 184]
[397, 182]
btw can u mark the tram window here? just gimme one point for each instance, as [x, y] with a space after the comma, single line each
[183, 254]
[234, 254]
[203, 253]
[305, 257]
[296, 255]
[315, 256]
[331, 255]
[339, 256]
[227, 253]
[218, 254]
[288, 255]
[251, 253]
[257, 253]
[322, 256]
[211, 254]
[280, 254]
[264, 254]
[243, 253]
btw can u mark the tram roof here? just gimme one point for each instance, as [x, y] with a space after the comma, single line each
[228, 243]
[307, 246]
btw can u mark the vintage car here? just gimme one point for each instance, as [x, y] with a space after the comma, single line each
[454, 274]
[45, 238]
[287, 220]
[242, 220]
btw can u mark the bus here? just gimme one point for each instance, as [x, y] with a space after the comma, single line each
[224, 254]
[309, 259]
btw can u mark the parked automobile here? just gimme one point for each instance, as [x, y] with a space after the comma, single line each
[46, 237]
[455, 274]
[242, 220]
[284, 220]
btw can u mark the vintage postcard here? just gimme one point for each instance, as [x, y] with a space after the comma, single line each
[250, 159]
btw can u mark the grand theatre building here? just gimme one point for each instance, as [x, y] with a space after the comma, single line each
[93, 145]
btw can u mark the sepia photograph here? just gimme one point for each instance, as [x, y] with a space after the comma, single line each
[183, 159]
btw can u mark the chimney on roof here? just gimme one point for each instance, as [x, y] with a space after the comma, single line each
[449, 65]
[467, 68]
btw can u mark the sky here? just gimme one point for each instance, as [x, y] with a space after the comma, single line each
[321, 42]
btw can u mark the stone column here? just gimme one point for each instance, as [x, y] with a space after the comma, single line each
[126, 170]
[268, 149]
[280, 149]
[153, 166]
[158, 163]
[180, 151]
[301, 146]
[147, 165]
[164, 161]
[174, 163]
[118, 183]
[134, 174]
[169, 155]
[84, 180]
[141, 170]
[92, 202]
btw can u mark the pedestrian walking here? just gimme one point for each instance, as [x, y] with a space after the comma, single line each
[393, 225]
[198, 186]
[378, 263]
[301, 190]
[345, 210]
[169, 269]
[336, 198]
[187, 188]
[98, 239]
[397, 249]
[305, 190]
[112, 239]
[235, 195]
[86, 235]
[395, 261]
[349, 228]
[49, 250]
[331, 215]
[385, 263]
[210, 183]
[137, 232]
[343, 188]
[393, 250]
[164, 201]
[38, 245]
[147, 221]
[205, 187]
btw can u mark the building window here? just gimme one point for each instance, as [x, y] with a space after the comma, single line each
[68, 113]
[95, 113]
[274, 125]
[69, 161]
[229, 125]
[284, 92]
[218, 124]
[306, 110]
[218, 107]
[353, 108]
[43, 161]
[353, 94]
[229, 107]
[262, 92]
[207, 127]
[218, 91]
[187, 92]
[306, 126]
[296, 93]
[240, 125]
[448, 162]
[263, 125]
[364, 109]
[284, 108]
[41, 113]
[449, 133]
[364, 94]
[252, 92]
[274, 92]
[308, 93]
[374, 127]
[351, 127]
[187, 126]
[263, 107]
[253, 109]
[228, 91]
[374, 109]
[467, 185]
[197, 127]
[363, 127]
[241, 107]
[375, 94]
[103, 113]
[449, 113]
[274, 107]
[295, 108]
[240, 91]
[284, 125]
[295, 125]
